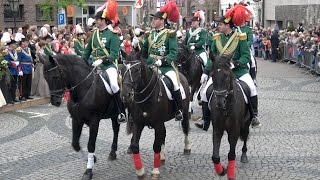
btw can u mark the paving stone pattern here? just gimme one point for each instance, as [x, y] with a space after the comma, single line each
[285, 147]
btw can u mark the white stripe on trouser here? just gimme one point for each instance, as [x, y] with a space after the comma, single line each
[248, 80]
[253, 62]
[203, 95]
[204, 57]
[172, 75]
[113, 77]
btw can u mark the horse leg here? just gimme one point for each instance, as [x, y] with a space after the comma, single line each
[186, 128]
[93, 132]
[233, 136]
[244, 133]
[137, 130]
[158, 141]
[162, 152]
[76, 133]
[216, 138]
[114, 146]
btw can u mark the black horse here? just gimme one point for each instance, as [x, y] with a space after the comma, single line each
[229, 112]
[143, 87]
[189, 64]
[89, 101]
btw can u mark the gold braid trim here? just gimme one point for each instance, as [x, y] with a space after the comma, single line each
[232, 47]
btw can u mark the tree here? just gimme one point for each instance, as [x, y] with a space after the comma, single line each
[51, 6]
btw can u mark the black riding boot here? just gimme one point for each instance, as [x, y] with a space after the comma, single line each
[255, 122]
[122, 114]
[206, 117]
[178, 100]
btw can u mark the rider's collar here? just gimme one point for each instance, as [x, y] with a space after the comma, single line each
[159, 30]
[229, 34]
[101, 30]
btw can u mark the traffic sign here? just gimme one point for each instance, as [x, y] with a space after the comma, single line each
[61, 19]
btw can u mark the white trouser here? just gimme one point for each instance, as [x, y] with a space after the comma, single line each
[245, 78]
[113, 77]
[204, 57]
[248, 80]
[172, 75]
[253, 62]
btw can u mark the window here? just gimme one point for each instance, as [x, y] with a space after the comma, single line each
[91, 10]
[8, 15]
[41, 16]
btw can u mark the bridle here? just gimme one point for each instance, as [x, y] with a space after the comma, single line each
[60, 92]
[131, 83]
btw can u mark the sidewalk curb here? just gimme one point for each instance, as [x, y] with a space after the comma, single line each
[25, 104]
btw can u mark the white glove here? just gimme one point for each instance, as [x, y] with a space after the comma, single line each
[204, 78]
[192, 47]
[135, 42]
[20, 73]
[17, 63]
[231, 65]
[97, 62]
[158, 63]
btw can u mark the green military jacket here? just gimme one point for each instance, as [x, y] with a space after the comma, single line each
[209, 38]
[79, 46]
[101, 45]
[248, 30]
[238, 49]
[48, 50]
[197, 36]
[161, 45]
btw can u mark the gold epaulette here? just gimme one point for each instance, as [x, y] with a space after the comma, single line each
[146, 34]
[242, 36]
[5, 52]
[216, 36]
[171, 33]
[18, 49]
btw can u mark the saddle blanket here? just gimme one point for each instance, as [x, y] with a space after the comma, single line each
[183, 93]
[243, 93]
[106, 85]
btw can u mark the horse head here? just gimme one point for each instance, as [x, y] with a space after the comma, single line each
[135, 77]
[222, 81]
[54, 77]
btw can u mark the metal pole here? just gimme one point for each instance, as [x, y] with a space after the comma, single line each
[14, 22]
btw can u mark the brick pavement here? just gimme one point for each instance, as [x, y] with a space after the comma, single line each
[35, 142]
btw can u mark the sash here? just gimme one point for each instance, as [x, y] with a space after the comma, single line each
[219, 46]
[99, 42]
[193, 33]
[154, 40]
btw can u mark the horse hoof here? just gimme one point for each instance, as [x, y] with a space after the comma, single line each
[187, 151]
[112, 156]
[163, 162]
[244, 159]
[142, 177]
[87, 175]
[129, 151]
[155, 177]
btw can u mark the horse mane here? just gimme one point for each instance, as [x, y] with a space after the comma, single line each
[71, 60]
[221, 62]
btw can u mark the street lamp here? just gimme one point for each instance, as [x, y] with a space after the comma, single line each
[14, 8]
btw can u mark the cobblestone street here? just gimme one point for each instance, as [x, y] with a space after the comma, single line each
[35, 143]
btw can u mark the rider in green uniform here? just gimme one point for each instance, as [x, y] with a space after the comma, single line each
[161, 48]
[103, 51]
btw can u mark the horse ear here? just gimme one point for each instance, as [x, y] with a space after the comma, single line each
[51, 59]
[124, 54]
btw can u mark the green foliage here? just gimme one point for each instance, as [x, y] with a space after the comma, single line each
[51, 6]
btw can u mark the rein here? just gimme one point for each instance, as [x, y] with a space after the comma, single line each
[143, 90]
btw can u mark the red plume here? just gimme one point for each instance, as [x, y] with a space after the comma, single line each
[239, 14]
[172, 11]
[112, 10]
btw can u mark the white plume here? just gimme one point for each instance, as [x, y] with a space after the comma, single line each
[6, 37]
[102, 7]
[203, 18]
[78, 29]
[91, 21]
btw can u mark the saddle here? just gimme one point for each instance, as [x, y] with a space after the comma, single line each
[168, 86]
[243, 87]
[106, 81]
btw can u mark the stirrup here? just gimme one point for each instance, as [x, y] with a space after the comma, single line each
[255, 123]
[179, 115]
[122, 118]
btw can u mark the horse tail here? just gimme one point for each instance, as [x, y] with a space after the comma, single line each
[244, 130]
